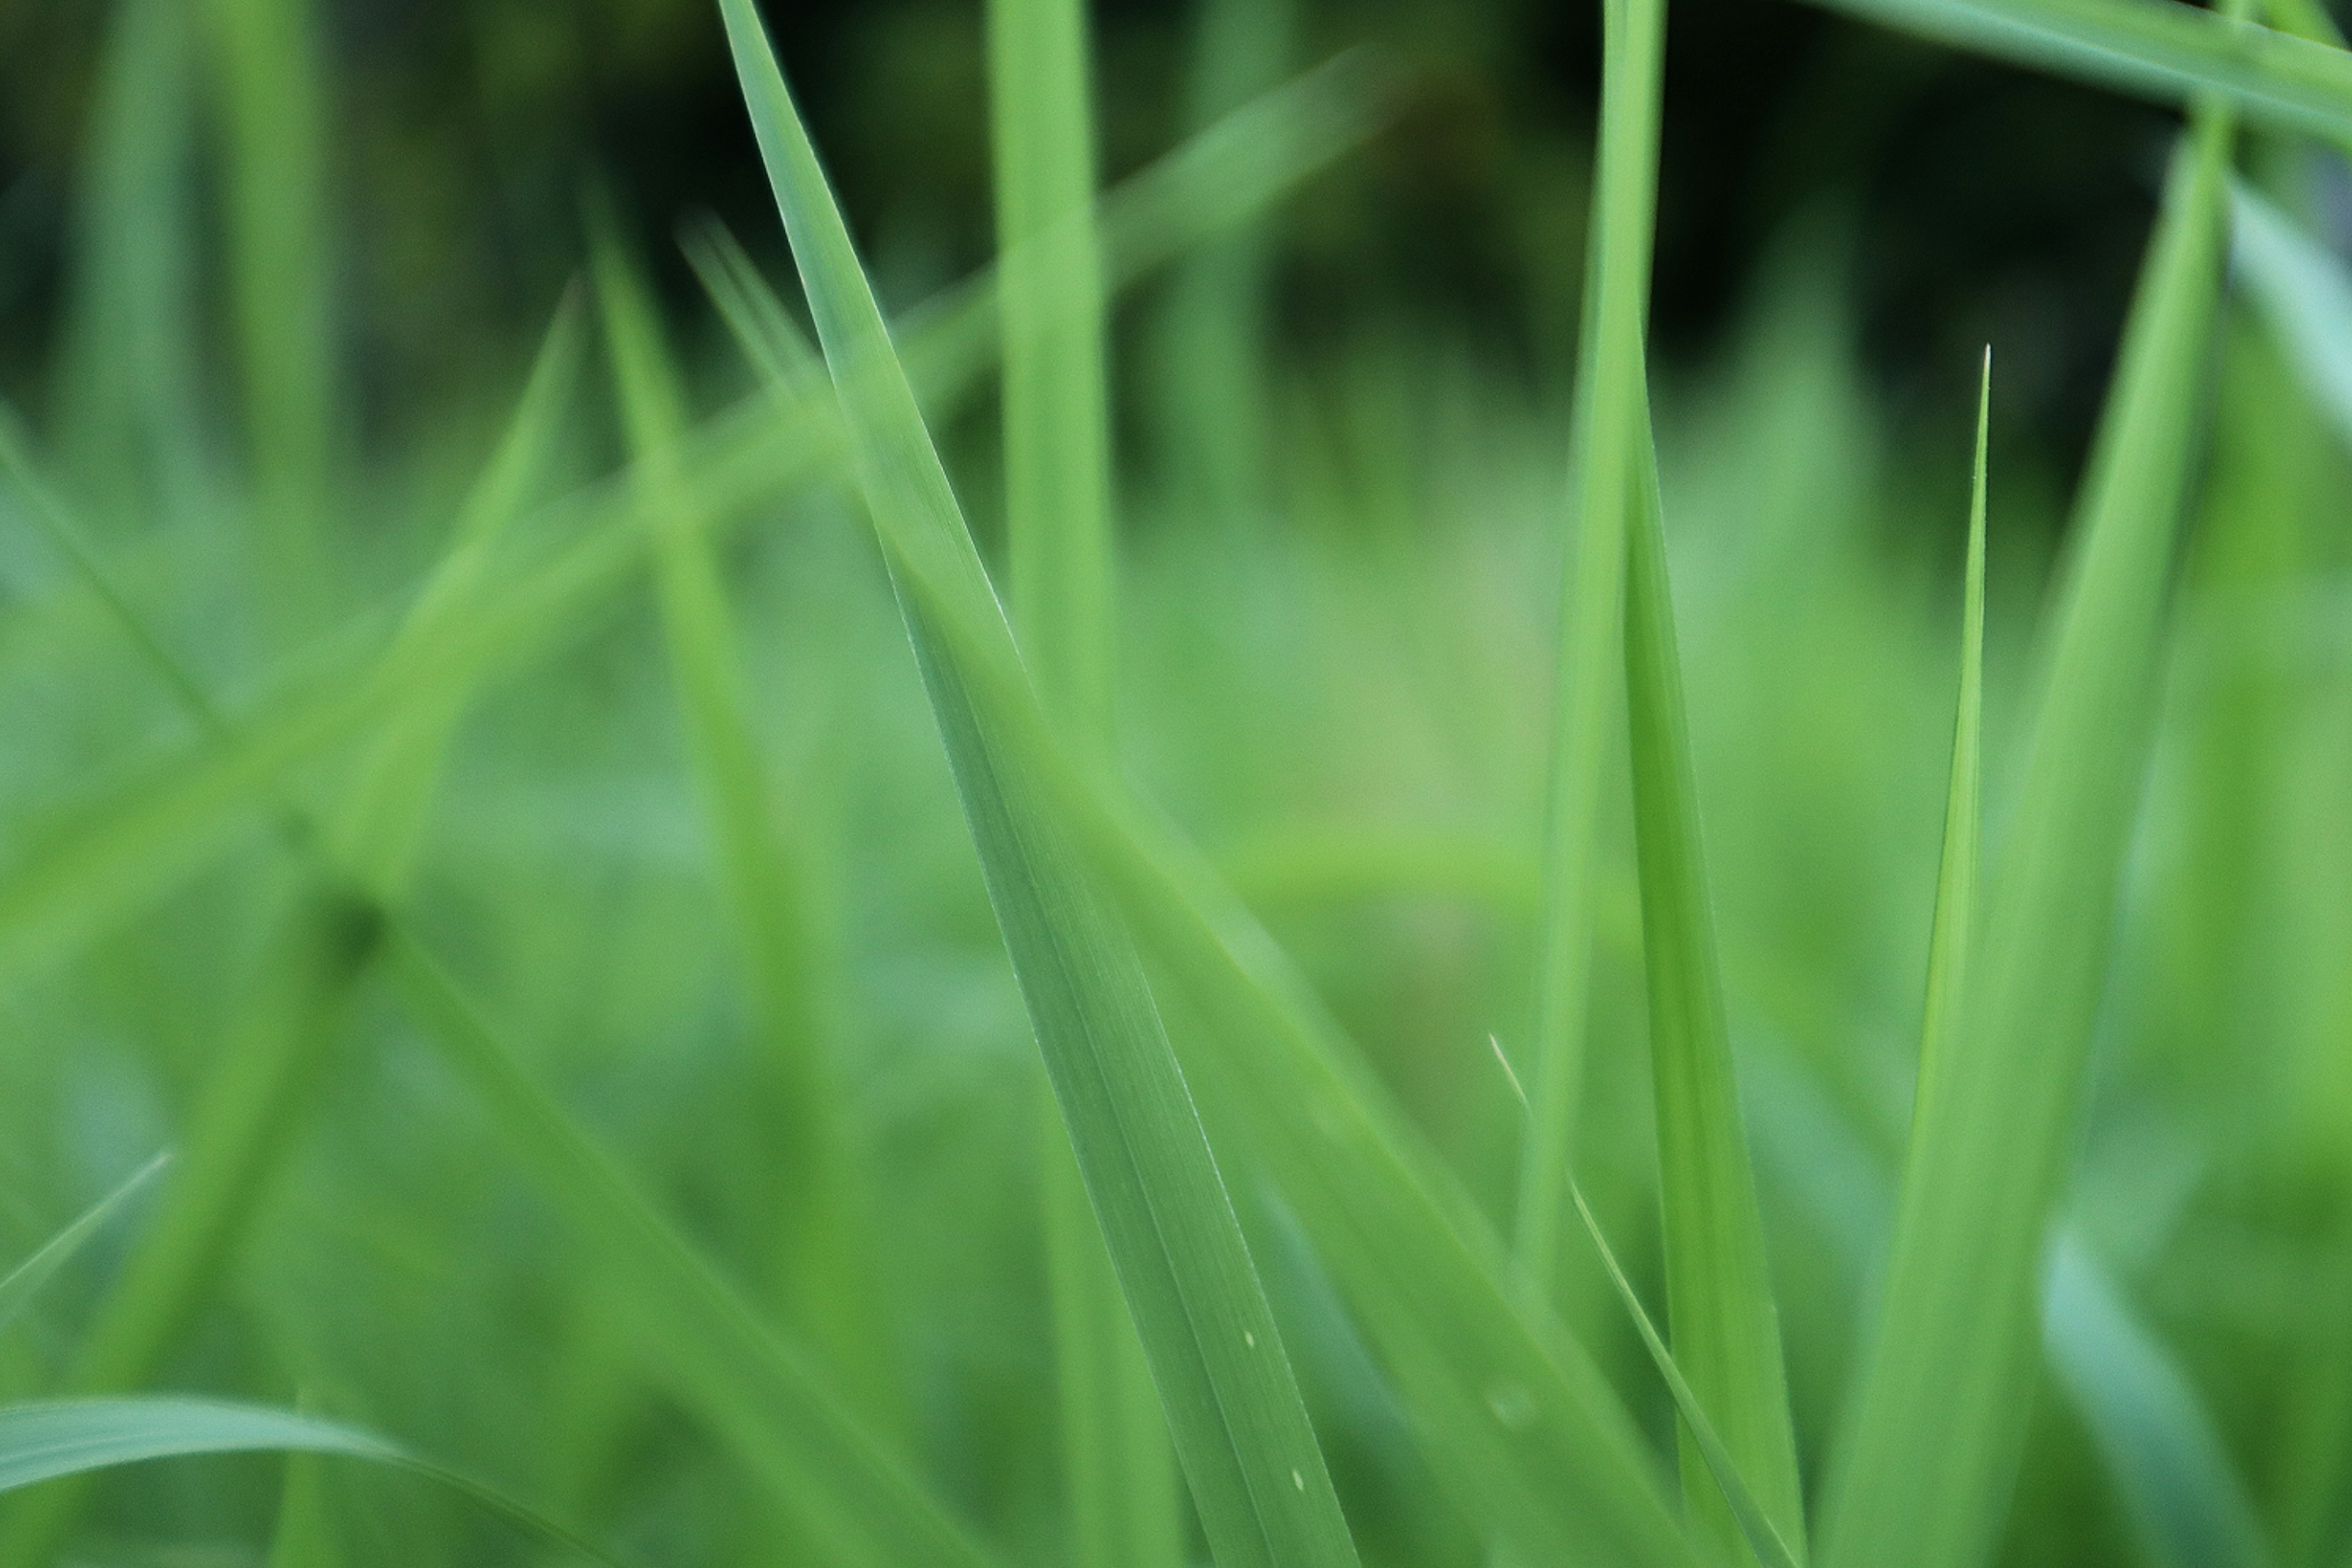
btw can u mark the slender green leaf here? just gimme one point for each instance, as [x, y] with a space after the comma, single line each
[1931, 1443]
[2160, 49]
[1241, 1431]
[1763, 1539]
[24, 1281]
[2304, 291]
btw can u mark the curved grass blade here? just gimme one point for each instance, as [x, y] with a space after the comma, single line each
[2152, 49]
[24, 1281]
[1719, 1302]
[1931, 1444]
[56, 1439]
[1588, 676]
[2304, 291]
[1241, 1430]
[1956, 878]
[1763, 1539]
[1513, 1417]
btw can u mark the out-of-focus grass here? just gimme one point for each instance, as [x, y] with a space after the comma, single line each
[576, 991]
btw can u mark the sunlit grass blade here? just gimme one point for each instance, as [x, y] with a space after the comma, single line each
[1589, 692]
[1121, 1478]
[1954, 929]
[1241, 1431]
[809, 1193]
[304, 1535]
[1763, 1539]
[2154, 49]
[2303, 291]
[384, 809]
[1930, 1446]
[248, 1109]
[153, 832]
[2180, 1493]
[1720, 1308]
[1513, 1417]
[24, 1281]
[54, 1440]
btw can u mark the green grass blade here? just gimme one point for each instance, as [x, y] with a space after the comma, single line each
[2180, 1490]
[1956, 878]
[1514, 1416]
[1589, 690]
[2303, 291]
[1763, 1538]
[304, 1536]
[56, 1439]
[1720, 1303]
[1241, 1432]
[2153, 48]
[811, 1191]
[24, 1281]
[1931, 1444]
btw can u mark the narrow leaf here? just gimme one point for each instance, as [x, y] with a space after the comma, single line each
[2304, 291]
[24, 1281]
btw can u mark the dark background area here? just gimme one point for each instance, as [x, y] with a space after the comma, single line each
[1969, 203]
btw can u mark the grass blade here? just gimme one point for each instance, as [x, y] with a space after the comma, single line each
[1590, 692]
[1763, 1539]
[1514, 1416]
[1932, 1442]
[810, 1191]
[1720, 1307]
[1956, 878]
[2152, 49]
[1241, 1431]
[2304, 291]
[24, 1281]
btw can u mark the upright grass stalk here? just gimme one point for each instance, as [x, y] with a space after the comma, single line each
[810, 1191]
[1931, 1443]
[273, 114]
[1722, 1317]
[1240, 1429]
[1062, 544]
[1609, 392]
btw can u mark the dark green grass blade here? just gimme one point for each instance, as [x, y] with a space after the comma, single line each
[143, 838]
[1121, 1480]
[24, 1281]
[1513, 1415]
[1591, 694]
[1931, 1446]
[2179, 1491]
[1241, 1431]
[1763, 1539]
[1720, 1308]
[1957, 874]
[811, 1192]
[56, 1439]
[2153, 48]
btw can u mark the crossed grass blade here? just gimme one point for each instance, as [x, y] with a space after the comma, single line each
[1513, 1417]
[1240, 1429]
[1721, 1313]
[1931, 1443]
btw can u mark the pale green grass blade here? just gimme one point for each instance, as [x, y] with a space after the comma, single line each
[813, 1193]
[775, 344]
[24, 1281]
[156, 830]
[1931, 1443]
[2182, 1496]
[1513, 1415]
[1257, 1475]
[2303, 290]
[1763, 1539]
[56, 1439]
[1720, 1308]
[1589, 692]
[1122, 1506]
[382, 820]
[273, 117]
[2153, 48]
[1954, 930]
